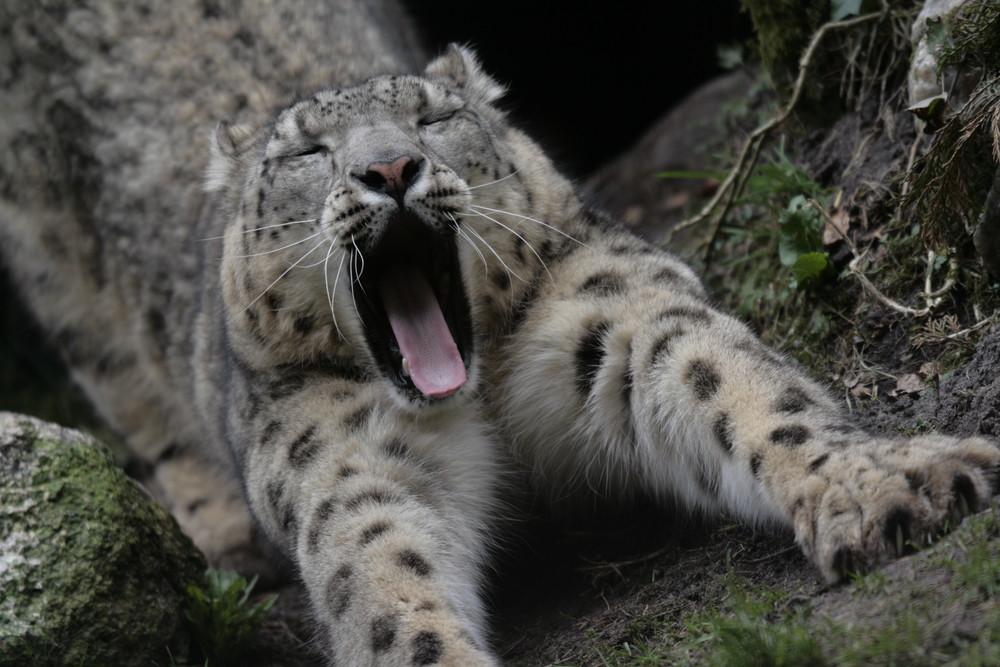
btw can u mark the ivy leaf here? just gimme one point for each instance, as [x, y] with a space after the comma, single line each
[800, 244]
[800, 231]
[931, 111]
[840, 9]
[810, 269]
[730, 56]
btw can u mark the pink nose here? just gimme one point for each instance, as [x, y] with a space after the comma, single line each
[393, 178]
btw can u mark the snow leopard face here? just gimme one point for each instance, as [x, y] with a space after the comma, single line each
[365, 219]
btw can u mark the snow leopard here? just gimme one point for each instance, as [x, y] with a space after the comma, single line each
[357, 319]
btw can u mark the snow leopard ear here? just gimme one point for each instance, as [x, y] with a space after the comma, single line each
[230, 140]
[460, 67]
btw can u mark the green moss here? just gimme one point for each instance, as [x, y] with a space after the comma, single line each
[757, 626]
[783, 29]
[936, 607]
[93, 570]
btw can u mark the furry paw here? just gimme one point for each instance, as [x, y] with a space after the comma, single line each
[873, 501]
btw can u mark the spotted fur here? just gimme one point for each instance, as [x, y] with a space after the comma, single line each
[255, 375]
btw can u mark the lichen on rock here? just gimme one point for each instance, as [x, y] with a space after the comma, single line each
[91, 570]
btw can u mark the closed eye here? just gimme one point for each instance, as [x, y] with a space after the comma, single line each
[440, 118]
[312, 150]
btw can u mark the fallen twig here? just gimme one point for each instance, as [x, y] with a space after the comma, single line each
[932, 297]
[731, 188]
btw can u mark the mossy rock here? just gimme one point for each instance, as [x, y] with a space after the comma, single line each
[93, 572]
[784, 29]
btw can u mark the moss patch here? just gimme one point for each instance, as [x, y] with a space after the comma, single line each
[93, 572]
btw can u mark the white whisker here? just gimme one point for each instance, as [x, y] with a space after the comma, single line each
[257, 229]
[524, 240]
[355, 280]
[309, 266]
[326, 281]
[337, 282]
[283, 274]
[510, 271]
[460, 232]
[483, 185]
[525, 217]
[493, 197]
[268, 252]
[361, 258]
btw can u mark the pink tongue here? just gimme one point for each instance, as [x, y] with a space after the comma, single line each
[436, 367]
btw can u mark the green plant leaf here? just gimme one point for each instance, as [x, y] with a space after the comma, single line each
[932, 111]
[730, 56]
[800, 231]
[810, 269]
[840, 9]
[222, 617]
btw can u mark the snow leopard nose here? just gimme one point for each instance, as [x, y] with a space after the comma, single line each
[392, 178]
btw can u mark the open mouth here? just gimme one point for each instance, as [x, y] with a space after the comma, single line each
[414, 308]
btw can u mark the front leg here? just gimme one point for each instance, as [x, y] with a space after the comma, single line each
[647, 389]
[766, 441]
[384, 515]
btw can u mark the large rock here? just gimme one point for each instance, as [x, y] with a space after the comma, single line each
[91, 570]
[925, 76]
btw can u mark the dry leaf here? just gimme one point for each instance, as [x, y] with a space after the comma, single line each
[863, 390]
[909, 383]
[836, 227]
[929, 369]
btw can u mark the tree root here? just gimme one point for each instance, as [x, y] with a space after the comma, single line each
[732, 187]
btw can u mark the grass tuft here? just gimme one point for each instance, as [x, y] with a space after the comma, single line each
[223, 619]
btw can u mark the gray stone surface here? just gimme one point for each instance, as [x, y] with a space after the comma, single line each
[92, 572]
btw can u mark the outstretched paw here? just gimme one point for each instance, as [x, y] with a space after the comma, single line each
[877, 500]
